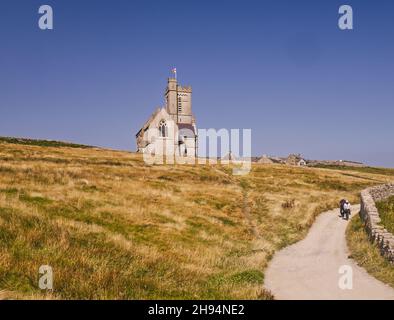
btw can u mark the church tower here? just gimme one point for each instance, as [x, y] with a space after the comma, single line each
[179, 102]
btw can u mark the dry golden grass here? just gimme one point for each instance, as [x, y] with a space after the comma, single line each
[112, 227]
[366, 254]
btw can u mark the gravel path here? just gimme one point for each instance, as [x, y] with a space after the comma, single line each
[309, 269]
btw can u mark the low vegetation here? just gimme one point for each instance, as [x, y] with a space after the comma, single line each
[366, 254]
[112, 227]
[42, 143]
[366, 169]
[386, 213]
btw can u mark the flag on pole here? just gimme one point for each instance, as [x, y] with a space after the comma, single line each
[174, 71]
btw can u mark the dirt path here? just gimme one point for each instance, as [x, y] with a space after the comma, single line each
[309, 269]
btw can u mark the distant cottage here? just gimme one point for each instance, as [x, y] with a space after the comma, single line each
[295, 160]
[171, 130]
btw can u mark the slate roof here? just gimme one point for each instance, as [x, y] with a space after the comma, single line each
[186, 129]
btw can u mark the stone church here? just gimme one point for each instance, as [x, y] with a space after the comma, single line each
[171, 130]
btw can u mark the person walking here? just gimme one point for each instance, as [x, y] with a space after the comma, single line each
[347, 210]
[341, 205]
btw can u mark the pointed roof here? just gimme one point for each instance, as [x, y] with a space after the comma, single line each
[148, 122]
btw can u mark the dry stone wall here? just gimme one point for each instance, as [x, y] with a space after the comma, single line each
[370, 216]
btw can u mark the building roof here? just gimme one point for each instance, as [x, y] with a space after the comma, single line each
[147, 123]
[265, 159]
[186, 129]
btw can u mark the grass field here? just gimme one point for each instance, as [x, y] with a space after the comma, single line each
[112, 227]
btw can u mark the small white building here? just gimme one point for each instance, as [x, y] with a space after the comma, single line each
[301, 163]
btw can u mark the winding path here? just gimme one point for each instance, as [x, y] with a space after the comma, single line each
[309, 269]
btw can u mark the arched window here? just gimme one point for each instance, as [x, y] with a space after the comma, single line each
[163, 129]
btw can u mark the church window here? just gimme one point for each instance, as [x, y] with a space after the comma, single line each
[163, 129]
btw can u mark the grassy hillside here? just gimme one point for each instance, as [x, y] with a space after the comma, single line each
[112, 227]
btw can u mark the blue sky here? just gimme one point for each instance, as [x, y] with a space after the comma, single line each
[281, 68]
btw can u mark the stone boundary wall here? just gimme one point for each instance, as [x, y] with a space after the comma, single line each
[370, 216]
